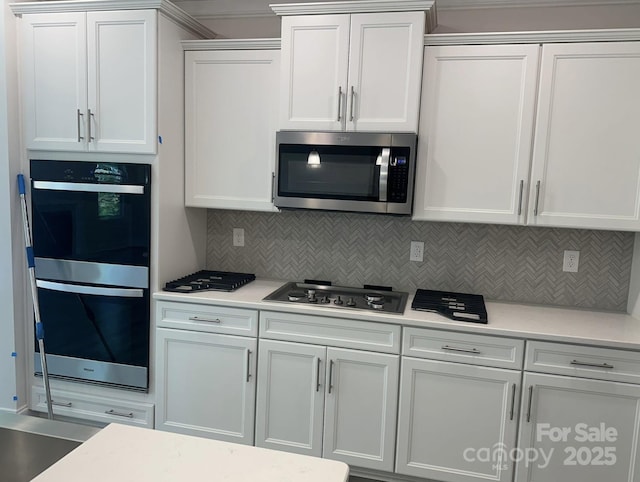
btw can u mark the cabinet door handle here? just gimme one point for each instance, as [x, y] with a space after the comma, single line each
[529, 403]
[330, 375]
[513, 401]
[461, 350]
[593, 365]
[520, 197]
[119, 414]
[208, 320]
[339, 103]
[91, 138]
[535, 208]
[248, 365]
[352, 101]
[79, 116]
[318, 375]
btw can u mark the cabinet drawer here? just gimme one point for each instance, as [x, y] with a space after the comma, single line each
[320, 330]
[464, 348]
[90, 407]
[213, 319]
[583, 361]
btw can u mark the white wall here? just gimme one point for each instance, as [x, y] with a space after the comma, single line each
[12, 271]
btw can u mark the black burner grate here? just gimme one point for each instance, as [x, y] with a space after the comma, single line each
[209, 281]
[457, 306]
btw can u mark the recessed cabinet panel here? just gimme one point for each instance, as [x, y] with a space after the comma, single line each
[384, 72]
[230, 123]
[315, 51]
[586, 157]
[55, 81]
[121, 73]
[582, 430]
[476, 127]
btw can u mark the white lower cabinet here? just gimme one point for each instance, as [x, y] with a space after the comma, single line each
[575, 429]
[325, 401]
[456, 421]
[206, 381]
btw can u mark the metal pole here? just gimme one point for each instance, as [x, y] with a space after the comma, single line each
[34, 292]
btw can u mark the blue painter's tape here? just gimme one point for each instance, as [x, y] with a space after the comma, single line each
[39, 331]
[15, 398]
[21, 188]
[14, 354]
[160, 139]
[31, 259]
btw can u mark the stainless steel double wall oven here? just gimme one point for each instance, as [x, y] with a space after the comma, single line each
[91, 240]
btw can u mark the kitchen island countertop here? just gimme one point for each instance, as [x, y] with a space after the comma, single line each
[532, 322]
[132, 454]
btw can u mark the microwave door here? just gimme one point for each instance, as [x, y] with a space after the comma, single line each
[384, 174]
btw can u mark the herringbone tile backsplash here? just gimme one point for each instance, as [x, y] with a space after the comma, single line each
[509, 263]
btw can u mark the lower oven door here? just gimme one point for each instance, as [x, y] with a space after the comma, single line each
[95, 333]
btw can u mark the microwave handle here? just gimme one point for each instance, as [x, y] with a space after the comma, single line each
[384, 174]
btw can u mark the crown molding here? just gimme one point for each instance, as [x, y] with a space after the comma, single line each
[165, 7]
[232, 44]
[477, 4]
[359, 6]
[604, 35]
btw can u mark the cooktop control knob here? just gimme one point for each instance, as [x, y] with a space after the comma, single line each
[351, 302]
[324, 299]
[338, 301]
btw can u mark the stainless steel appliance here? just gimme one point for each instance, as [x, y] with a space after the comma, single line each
[345, 171]
[457, 306]
[91, 240]
[371, 298]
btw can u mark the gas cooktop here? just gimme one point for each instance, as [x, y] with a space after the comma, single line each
[209, 281]
[372, 298]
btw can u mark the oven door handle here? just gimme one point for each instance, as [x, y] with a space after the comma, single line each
[90, 290]
[384, 174]
[88, 187]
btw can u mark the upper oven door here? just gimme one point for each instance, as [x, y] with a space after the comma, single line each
[91, 212]
[339, 171]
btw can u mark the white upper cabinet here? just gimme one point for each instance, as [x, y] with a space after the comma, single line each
[476, 127]
[230, 125]
[352, 72]
[89, 81]
[586, 157]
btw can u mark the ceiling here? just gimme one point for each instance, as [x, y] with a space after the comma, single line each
[253, 8]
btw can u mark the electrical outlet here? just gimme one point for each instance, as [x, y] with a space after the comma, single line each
[238, 237]
[571, 261]
[417, 251]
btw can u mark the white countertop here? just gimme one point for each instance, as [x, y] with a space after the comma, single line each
[598, 328]
[132, 454]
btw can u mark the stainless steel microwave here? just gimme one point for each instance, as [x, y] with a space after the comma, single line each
[345, 171]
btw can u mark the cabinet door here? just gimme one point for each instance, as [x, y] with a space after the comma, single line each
[315, 51]
[122, 81]
[290, 401]
[476, 128]
[206, 384]
[456, 422]
[586, 156]
[385, 60]
[360, 408]
[230, 124]
[578, 430]
[54, 81]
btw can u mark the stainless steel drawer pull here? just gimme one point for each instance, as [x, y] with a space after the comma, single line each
[318, 375]
[593, 365]
[520, 198]
[535, 208]
[339, 104]
[513, 401]
[91, 138]
[529, 404]
[119, 414]
[80, 138]
[208, 320]
[352, 101]
[60, 404]
[461, 350]
[330, 375]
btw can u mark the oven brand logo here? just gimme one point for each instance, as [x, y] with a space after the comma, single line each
[578, 445]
